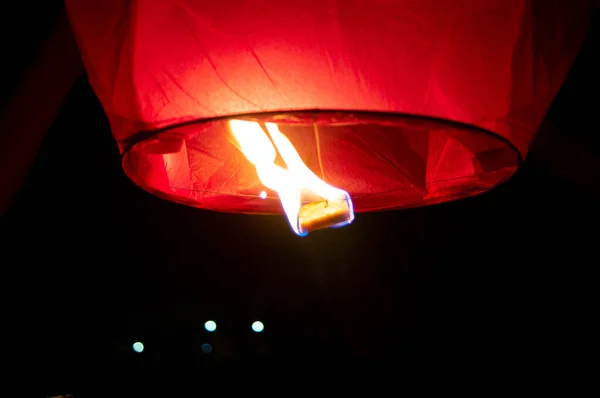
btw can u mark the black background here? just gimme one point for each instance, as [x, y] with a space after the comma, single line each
[92, 263]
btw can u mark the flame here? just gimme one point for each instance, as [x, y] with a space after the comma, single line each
[334, 210]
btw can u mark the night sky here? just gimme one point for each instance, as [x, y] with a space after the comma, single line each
[93, 264]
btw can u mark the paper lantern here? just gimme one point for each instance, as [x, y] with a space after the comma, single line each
[396, 103]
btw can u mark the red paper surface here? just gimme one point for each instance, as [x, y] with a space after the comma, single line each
[492, 64]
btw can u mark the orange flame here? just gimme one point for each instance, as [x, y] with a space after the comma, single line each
[334, 210]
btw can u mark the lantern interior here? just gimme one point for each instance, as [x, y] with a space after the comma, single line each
[384, 161]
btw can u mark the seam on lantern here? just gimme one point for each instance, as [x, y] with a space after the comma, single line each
[317, 140]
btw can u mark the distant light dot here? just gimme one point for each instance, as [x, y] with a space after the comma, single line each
[211, 326]
[138, 347]
[206, 348]
[263, 195]
[258, 326]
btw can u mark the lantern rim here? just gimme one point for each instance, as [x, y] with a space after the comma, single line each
[170, 137]
[142, 135]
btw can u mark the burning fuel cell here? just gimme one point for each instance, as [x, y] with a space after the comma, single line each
[260, 147]
[324, 214]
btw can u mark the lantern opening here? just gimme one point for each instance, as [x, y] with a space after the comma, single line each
[380, 160]
[261, 146]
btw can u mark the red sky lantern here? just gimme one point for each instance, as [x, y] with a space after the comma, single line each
[319, 109]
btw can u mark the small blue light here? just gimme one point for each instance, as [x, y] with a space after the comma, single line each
[206, 348]
[138, 347]
[210, 326]
[258, 326]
